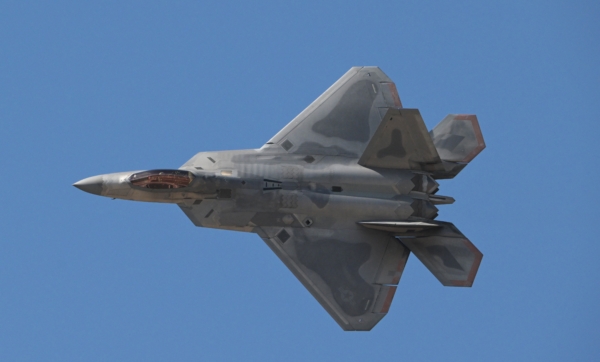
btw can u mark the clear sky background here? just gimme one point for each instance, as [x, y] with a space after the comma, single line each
[90, 88]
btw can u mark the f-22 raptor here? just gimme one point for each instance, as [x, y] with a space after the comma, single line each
[342, 195]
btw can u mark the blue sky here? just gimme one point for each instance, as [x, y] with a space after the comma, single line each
[91, 88]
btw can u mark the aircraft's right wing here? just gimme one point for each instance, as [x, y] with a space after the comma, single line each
[352, 273]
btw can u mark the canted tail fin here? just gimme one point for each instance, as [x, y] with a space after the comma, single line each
[458, 140]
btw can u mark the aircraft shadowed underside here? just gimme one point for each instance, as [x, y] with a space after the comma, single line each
[342, 195]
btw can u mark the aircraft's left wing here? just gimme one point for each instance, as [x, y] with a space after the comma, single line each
[344, 118]
[352, 273]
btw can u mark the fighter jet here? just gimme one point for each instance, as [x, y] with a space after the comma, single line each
[342, 195]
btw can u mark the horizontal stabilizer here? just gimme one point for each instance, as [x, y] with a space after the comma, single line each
[448, 255]
[401, 142]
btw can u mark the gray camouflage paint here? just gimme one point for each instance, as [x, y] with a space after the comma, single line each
[354, 155]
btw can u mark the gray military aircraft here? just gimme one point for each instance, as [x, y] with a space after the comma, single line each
[342, 195]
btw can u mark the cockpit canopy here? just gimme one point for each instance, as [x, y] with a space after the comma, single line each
[162, 179]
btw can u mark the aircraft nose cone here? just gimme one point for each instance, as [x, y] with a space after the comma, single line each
[93, 185]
